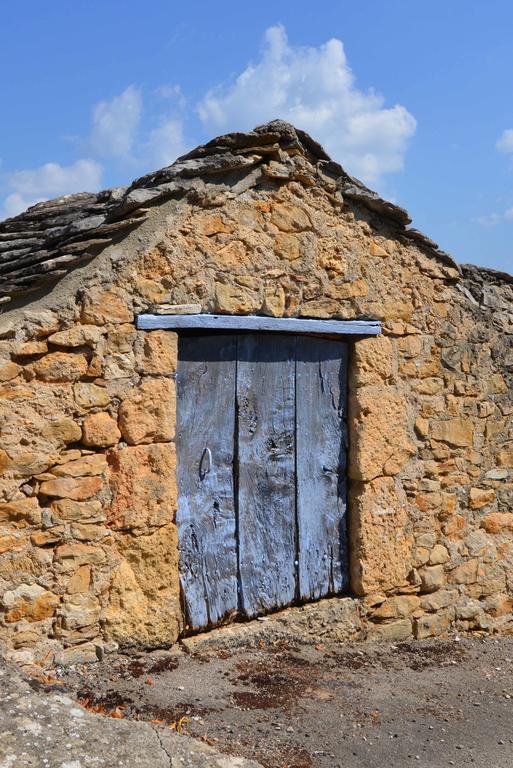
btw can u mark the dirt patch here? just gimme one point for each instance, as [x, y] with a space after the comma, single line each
[137, 669]
[354, 660]
[163, 665]
[278, 682]
[418, 656]
[111, 704]
[289, 757]
[115, 704]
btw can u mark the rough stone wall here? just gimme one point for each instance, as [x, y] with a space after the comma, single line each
[88, 494]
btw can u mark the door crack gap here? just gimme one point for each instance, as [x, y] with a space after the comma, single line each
[236, 479]
[297, 544]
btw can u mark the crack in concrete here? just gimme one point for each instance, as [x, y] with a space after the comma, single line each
[154, 728]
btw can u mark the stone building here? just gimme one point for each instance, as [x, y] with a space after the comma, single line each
[260, 224]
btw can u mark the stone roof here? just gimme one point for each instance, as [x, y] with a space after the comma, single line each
[46, 241]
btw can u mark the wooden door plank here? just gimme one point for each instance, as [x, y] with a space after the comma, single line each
[266, 480]
[321, 375]
[206, 505]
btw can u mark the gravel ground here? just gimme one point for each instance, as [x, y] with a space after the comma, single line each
[47, 729]
[429, 704]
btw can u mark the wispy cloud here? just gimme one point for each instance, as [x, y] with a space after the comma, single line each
[165, 143]
[115, 124]
[315, 89]
[138, 131]
[505, 142]
[117, 131]
[492, 219]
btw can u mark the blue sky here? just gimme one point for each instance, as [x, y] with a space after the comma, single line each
[415, 98]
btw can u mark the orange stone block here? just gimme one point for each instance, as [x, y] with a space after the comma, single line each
[100, 430]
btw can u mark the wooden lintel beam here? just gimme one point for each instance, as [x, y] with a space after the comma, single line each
[257, 323]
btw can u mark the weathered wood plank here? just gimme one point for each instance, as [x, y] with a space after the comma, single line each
[254, 323]
[321, 375]
[266, 496]
[206, 506]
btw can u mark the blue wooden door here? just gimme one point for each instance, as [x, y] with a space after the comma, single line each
[321, 463]
[205, 460]
[266, 503]
[261, 449]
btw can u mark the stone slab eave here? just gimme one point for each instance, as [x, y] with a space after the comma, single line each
[42, 244]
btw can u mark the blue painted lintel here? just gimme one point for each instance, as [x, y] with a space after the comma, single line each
[259, 323]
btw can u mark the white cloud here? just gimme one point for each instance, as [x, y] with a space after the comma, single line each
[28, 187]
[115, 124]
[165, 143]
[14, 204]
[492, 219]
[118, 129]
[505, 142]
[171, 93]
[55, 179]
[314, 88]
